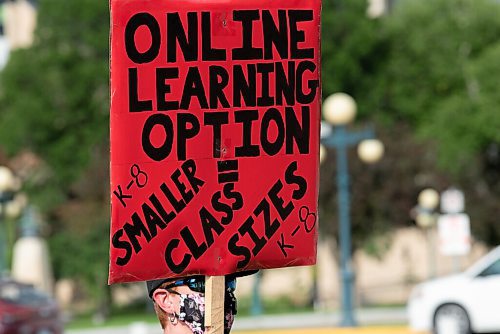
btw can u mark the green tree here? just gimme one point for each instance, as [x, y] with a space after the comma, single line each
[425, 74]
[430, 77]
[353, 54]
[55, 103]
[439, 77]
[55, 94]
[350, 49]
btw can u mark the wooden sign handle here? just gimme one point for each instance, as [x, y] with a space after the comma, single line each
[214, 304]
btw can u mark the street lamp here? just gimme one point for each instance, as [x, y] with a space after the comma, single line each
[426, 218]
[256, 308]
[9, 186]
[339, 110]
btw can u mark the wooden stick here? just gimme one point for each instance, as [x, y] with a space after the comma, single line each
[214, 304]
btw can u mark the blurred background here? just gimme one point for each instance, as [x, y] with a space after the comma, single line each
[423, 77]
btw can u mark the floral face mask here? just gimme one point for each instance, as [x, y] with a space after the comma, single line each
[192, 311]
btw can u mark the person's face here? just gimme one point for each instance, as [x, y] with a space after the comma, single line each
[175, 295]
[169, 301]
[185, 308]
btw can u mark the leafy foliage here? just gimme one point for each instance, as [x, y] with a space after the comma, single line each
[350, 49]
[353, 55]
[55, 94]
[429, 68]
[427, 76]
[54, 99]
[383, 194]
[439, 76]
[431, 75]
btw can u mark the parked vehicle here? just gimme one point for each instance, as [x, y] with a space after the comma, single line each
[24, 310]
[461, 304]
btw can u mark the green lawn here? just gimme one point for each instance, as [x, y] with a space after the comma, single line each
[86, 321]
[135, 313]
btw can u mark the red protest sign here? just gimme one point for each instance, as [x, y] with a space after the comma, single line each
[215, 114]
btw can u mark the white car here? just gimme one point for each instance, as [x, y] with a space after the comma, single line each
[459, 304]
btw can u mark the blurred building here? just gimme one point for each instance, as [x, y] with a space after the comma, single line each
[383, 280]
[30, 257]
[386, 279]
[17, 25]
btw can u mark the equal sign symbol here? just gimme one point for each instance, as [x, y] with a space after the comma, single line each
[228, 171]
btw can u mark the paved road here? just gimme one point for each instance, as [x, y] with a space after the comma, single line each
[365, 317]
[357, 330]
[375, 321]
[149, 329]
